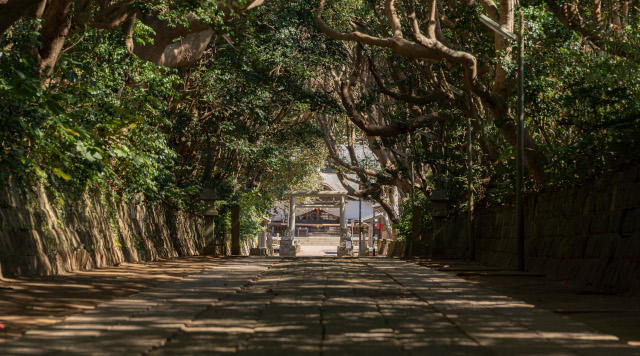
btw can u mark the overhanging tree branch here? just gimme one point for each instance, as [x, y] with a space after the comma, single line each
[609, 40]
[372, 129]
[408, 98]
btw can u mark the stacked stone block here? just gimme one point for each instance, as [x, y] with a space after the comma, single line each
[287, 247]
[591, 233]
[40, 235]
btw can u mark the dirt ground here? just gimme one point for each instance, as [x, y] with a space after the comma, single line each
[615, 314]
[27, 303]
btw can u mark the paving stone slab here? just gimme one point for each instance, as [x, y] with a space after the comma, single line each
[318, 306]
[504, 325]
[140, 322]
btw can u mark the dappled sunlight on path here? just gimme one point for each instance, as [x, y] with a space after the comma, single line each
[26, 303]
[331, 306]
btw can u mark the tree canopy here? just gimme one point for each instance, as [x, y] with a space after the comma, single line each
[165, 98]
[418, 72]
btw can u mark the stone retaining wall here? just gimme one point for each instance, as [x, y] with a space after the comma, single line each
[591, 233]
[44, 235]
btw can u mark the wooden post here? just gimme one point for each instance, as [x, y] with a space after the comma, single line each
[292, 216]
[343, 222]
[262, 241]
[235, 230]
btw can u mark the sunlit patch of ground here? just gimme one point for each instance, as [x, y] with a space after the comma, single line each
[27, 303]
[615, 314]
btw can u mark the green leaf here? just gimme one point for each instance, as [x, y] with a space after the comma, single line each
[97, 155]
[40, 172]
[74, 133]
[119, 152]
[61, 174]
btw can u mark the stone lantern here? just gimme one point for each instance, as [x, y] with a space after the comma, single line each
[264, 242]
[209, 198]
[440, 203]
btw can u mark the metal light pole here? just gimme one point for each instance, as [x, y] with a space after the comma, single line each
[520, 131]
[471, 241]
[520, 154]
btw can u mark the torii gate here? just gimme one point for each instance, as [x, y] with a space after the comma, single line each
[316, 193]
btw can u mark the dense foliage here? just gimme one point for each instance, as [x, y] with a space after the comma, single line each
[269, 94]
[581, 95]
[239, 120]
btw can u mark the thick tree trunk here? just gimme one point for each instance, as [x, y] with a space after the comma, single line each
[13, 10]
[165, 52]
[393, 216]
[55, 29]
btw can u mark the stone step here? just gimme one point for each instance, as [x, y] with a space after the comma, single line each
[318, 241]
[320, 244]
[335, 243]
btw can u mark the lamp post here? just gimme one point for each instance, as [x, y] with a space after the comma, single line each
[414, 218]
[520, 130]
[471, 241]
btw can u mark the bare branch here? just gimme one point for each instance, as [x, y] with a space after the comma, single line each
[408, 98]
[413, 19]
[255, 4]
[128, 27]
[333, 152]
[392, 17]
[597, 11]
[398, 44]
[432, 11]
[384, 130]
[491, 8]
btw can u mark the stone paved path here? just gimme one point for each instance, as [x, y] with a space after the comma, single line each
[317, 306]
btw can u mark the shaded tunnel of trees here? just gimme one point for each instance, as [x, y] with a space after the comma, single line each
[157, 100]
